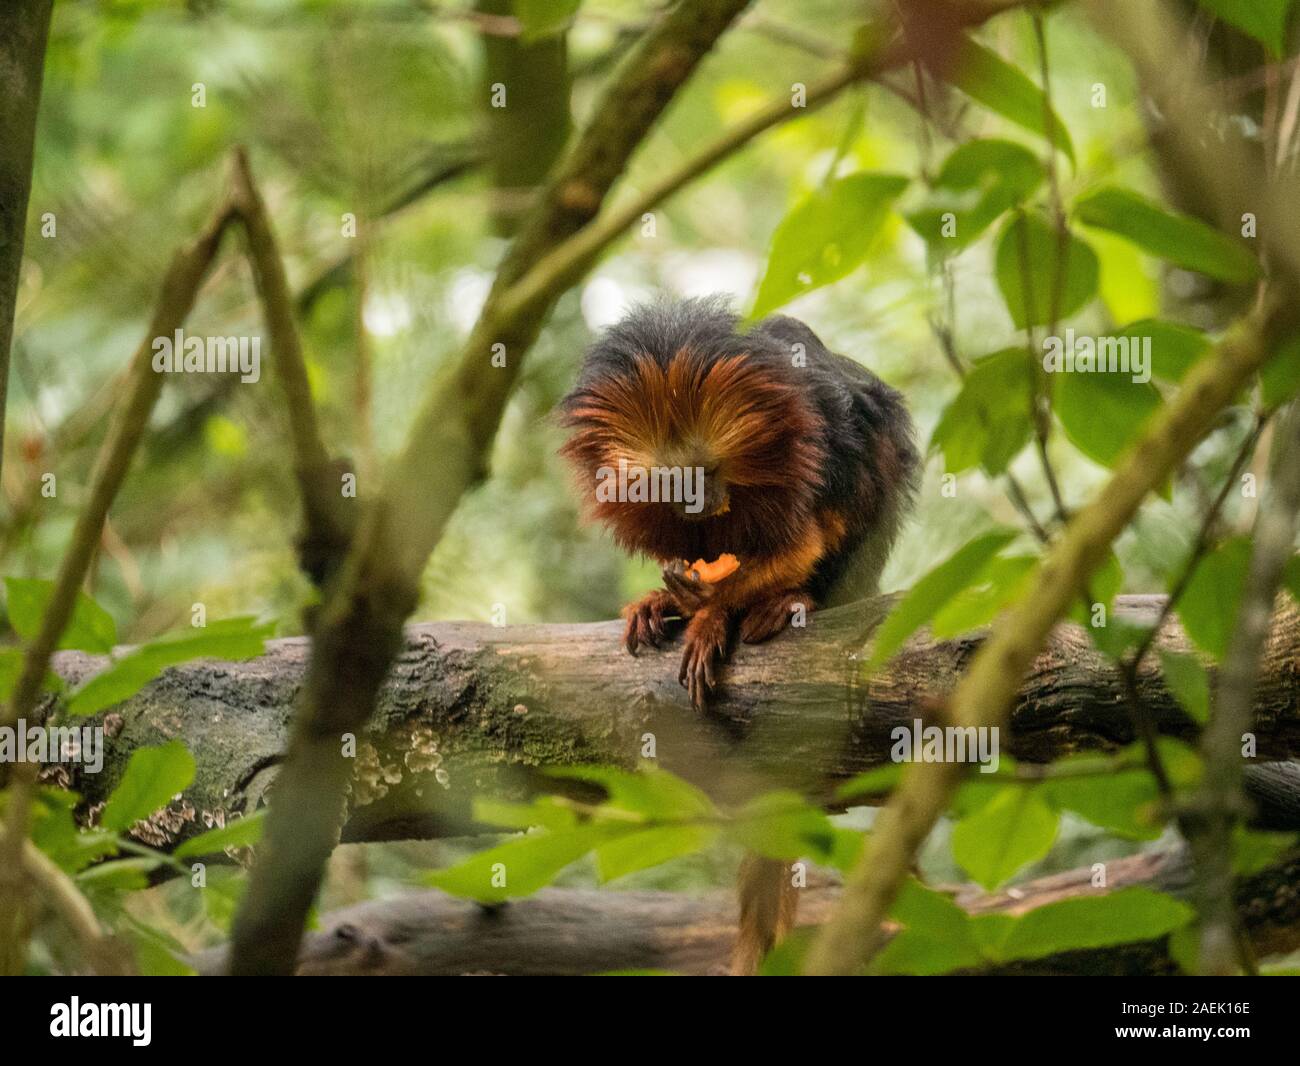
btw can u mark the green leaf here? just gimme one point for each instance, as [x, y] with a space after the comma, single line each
[989, 79]
[1280, 377]
[153, 776]
[1208, 608]
[1186, 678]
[876, 781]
[156, 953]
[1102, 412]
[936, 938]
[91, 628]
[650, 792]
[545, 811]
[1175, 348]
[124, 875]
[1014, 829]
[783, 825]
[542, 18]
[1033, 261]
[521, 866]
[650, 847]
[1088, 922]
[1265, 20]
[1254, 851]
[825, 237]
[1185, 241]
[1122, 802]
[1003, 582]
[977, 183]
[230, 639]
[958, 571]
[238, 833]
[989, 421]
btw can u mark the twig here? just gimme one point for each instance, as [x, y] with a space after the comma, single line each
[327, 524]
[1221, 803]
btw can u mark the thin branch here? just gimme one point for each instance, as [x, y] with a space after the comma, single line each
[327, 521]
[24, 27]
[58, 890]
[179, 288]
[1222, 804]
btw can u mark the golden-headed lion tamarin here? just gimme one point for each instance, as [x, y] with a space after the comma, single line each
[761, 444]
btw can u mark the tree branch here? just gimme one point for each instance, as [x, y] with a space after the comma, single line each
[471, 709]
[359, 632]
[563, 931]
[24, 27]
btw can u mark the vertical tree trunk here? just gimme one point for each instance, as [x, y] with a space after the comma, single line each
[24, 28]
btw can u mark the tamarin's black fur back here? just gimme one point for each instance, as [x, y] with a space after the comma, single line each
[809, 465]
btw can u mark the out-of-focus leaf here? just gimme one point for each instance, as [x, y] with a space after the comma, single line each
[231, 639]
[1102, 412]
[825, 237]
[1175, 348]
[1265, 20]
[1280, 378]
[545, 811]
[1034, 263]
[1180, 239]
[1002, 583]
[1129, 286]
[1083, 922]
[1186, 678]
[650, 847]
[521, 866]
[1015, 828]
[989, 421]
[1122, 802]
[1254, 851]
[976, 184]
[783, 825]
[989, 79]
[1208, 608]
[650, 792]
[936, 938]
[932, 592]
[91, 628]
[871, 782]
[238, 833]
[153, 776]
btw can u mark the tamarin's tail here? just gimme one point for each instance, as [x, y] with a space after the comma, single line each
[767, 907]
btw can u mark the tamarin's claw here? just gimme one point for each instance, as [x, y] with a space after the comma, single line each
[645, 620]
[706, 646]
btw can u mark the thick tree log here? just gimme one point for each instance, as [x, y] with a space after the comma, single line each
[469, 708]
[580, 931]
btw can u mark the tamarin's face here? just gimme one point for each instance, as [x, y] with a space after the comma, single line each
[725, 442]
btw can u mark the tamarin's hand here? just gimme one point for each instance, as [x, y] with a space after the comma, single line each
[761, 446]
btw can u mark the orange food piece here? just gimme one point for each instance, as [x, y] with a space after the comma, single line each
[711, 573]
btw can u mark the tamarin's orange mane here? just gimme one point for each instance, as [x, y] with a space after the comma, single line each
[740, 414]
